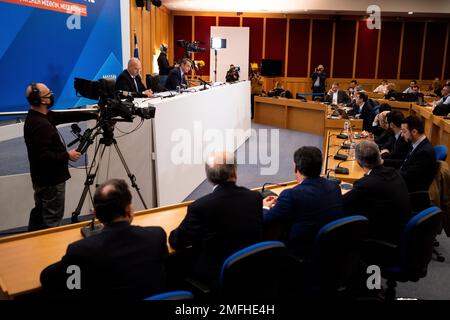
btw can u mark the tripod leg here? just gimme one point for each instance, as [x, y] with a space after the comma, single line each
[130, 175]
[88, 182]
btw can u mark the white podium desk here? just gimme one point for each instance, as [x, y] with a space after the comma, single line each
[166, 154]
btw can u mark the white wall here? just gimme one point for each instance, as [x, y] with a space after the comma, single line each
[125, 23]
[237, 52]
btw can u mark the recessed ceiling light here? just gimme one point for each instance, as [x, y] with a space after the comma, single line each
[410, 12]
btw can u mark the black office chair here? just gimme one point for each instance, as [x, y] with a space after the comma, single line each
[336, 257]
[409, 260]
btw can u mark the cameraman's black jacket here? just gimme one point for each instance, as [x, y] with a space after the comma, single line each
[47, 154]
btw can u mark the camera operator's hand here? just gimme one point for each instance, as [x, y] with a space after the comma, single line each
[74, 155]
[148, 93]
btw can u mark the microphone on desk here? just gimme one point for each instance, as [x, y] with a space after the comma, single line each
[339, 156]
[267, 193]
[341, 170]
[333, 179]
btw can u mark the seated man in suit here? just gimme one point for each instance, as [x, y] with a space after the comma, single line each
[307, 207]
[177, 76]
[220, 223]
[414, 94]
[130, 79]
[351, 88]
[442, 107]
[394, 156]
[419, 166]
[363, 110]
[410, 89]
[381, 195]
[122, 261]
[336, 96]
[391, 93]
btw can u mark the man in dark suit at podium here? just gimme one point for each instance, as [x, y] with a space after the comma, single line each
[130, 79]
[177, 76]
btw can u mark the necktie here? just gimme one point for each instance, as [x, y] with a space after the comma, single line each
[407, 157]
[135, 84]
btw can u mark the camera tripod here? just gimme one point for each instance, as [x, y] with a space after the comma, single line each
[106, 141]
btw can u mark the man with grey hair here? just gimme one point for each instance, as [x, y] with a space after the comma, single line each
[381, 195]
[130, 79]
[220, 223]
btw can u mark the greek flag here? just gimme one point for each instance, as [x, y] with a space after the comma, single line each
[136, 48]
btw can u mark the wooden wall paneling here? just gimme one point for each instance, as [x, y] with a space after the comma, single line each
[389, 50]
[434, 54]
[256, 26]
[344, 49]
[446, 65]
[298, 50]
[412, 48]
[321, 44]
[367, 51]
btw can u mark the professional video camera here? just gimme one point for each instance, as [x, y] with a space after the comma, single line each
[190, 47]
[111, 105]
[233, 74]
[114, 106]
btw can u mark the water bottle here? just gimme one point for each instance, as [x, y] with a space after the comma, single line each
[346, 127]
[351, 155]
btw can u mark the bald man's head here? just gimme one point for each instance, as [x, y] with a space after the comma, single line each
[221, 167]
[44, 92]
[134, 67]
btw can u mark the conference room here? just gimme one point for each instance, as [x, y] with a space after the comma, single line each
[208, 151]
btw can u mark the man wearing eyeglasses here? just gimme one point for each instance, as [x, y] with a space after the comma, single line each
[48, 156]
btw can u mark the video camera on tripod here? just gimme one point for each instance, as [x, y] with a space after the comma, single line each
[114, 106]
[190, 47]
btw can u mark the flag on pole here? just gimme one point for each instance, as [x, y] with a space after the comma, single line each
[136, 48]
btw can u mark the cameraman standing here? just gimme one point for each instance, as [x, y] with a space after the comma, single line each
[232, 74]
[318, 79]
[48, 156]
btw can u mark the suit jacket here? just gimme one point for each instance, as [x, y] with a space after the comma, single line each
[440, 193]
[398, 153]
[122, 261]
[163, 64]
[390, 94]
[366, 115]
[381, 196]
[341, 98]
[306, 208]
[322, 76]
[217, 225]
[125, 82]
[419, 167]
[174, 79]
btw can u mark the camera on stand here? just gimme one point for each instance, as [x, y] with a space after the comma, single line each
[113, 106]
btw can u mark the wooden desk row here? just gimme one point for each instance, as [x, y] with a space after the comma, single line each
[332, 146]
[23, 257]
[437, 129]
[293, 114]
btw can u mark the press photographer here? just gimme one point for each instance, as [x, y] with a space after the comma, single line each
[233, 74]
[48, 156]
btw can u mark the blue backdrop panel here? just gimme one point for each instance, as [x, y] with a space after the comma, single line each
[36, 45]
